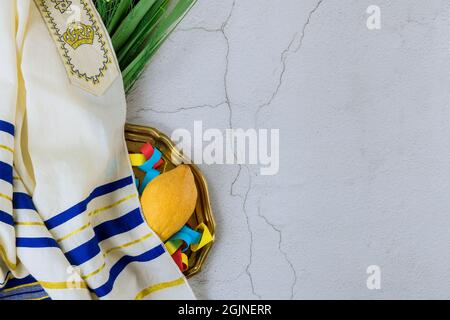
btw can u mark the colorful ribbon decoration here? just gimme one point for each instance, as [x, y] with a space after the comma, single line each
[191, 238]
[181, 259]
[147, 150]
[205, 239]
[158, 164]
[148, 160]
[184, 262]
[150, 163]
[178, 259]
[137, 159]
[188, 236]
[173, 245]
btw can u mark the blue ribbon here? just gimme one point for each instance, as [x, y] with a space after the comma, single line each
[150, 163]
[151, 174]
[188, 235]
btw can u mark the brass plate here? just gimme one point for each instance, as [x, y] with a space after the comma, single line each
[135, 136]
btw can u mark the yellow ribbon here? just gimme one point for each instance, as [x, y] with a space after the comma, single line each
[205, 239]
[173, 245]
[137, 159]
[185, 261]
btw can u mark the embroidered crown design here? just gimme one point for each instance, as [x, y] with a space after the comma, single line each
[78, 34]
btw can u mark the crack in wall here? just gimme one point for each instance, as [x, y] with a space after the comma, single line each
[247, 218]
[222, 31]
[244, 199]
[290, 49]
[284, 253]
[245, 196]
[227, 63]
[228, 102]
[163, 111]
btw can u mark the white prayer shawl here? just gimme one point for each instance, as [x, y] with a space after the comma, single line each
[70, 217]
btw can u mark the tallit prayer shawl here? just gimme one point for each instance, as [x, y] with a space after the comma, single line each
[70, 220]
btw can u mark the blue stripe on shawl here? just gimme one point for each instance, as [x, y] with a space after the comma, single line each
[18, 282]
[36, 243]
[120, 265]
[83, 253]
[33, 294]
[120, 225]
[6, 218]
[6, 172]
[7, 127]
[82, 206]
[17, 292]
[106, 230]
[22, 201]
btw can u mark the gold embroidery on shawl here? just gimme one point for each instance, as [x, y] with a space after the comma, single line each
[78, 34]
[62, 5]
[89, 31]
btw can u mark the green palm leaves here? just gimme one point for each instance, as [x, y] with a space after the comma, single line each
[138, 28]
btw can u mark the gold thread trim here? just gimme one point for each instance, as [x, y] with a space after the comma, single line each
[93, 273]
[11, 265]
[6, 148]
[128, 244]
[21, 286]
[95, 212]
[4, 196]
[157, 287]
[28, 223]
[50, 285]
[41, 298]
[113, 249]
[74, 232]
[63, 285]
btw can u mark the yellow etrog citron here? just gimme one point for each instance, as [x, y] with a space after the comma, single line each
[169, 200]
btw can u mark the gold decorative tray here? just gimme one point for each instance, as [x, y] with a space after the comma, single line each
[135, 137]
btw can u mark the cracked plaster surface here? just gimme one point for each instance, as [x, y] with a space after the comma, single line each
[363, 118]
